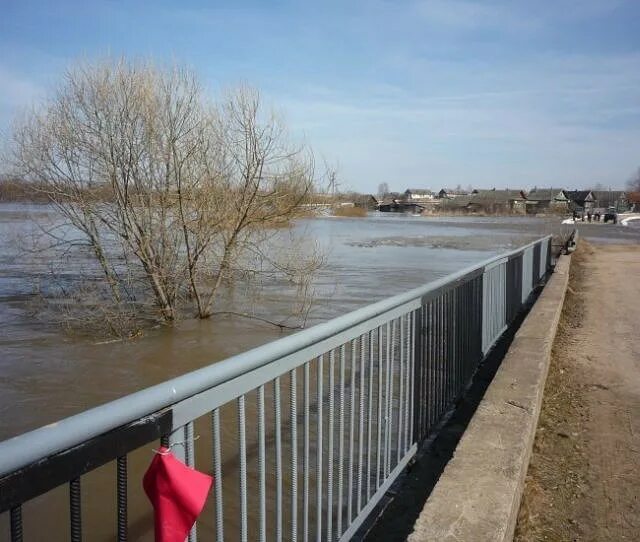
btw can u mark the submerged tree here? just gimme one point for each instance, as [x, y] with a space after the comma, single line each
[173, 195]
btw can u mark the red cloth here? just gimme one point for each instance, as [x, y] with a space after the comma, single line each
[177, 493]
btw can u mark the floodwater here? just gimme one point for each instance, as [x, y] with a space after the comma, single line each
[47, 374]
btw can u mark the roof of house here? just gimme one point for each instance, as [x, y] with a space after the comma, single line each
[578, 195]
[419, 191]
[460, 201]
[542, 194]
[454, 192]
[498, 195]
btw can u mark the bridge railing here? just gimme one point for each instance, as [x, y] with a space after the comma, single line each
[303, 435]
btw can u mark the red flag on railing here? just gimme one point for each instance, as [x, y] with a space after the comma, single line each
[177, 493]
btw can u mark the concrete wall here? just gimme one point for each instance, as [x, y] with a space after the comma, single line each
[478, 495]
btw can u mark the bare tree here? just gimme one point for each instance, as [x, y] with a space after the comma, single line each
[172, 194]
[633, 184]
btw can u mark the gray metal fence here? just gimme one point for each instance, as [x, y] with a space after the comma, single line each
[303, 435]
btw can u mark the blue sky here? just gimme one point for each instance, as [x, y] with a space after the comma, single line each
[426, 93]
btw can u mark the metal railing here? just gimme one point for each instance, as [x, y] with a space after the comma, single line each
[303, 435]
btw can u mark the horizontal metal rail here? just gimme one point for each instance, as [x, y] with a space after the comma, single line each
[334, 412]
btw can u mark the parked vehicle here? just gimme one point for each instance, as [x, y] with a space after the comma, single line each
[611, 215]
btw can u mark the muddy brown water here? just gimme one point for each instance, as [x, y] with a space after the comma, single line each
[46, 375]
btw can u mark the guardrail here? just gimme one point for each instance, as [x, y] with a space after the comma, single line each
[325, 420]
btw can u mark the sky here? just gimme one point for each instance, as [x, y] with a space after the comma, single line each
[416, 94]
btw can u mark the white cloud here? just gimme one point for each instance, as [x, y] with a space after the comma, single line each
[17, 90]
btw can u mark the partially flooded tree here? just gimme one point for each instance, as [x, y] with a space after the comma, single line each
[174, 196]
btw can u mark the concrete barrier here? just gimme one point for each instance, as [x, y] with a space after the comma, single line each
[478, 495]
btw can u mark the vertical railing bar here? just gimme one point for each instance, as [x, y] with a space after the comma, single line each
[428, 361]
[400, 391]
[293, 402]
[121, 476]
[431, 357]
[75, 510]
[409, 396]
[436, 359]
[242, 451]
[443, 354]
[460, 316]
[447, 346]
[456, 329]
[427, 371]
[278, 458]
[189, 452]
[217, 473]
[432, 317]
[404, 405]
[379, 423]
[370, 412]
[391, 353]
[319, 451]
[189, 455]
[352, 421]
[447, 350]
[307, 467]
[452, 344]
[361, 424]
[341, 440]
[262, 474]
[435, 343]
[412, 342]
[15, 518]
[330, 430]
[418, 375]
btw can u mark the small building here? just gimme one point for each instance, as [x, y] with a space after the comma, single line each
[460, 204]
[399, 205]
[499, 201]
[605, 199]
[419, 194]
[447, 193]
[541, 200]
[487, 201]
[580, 200]
[366, 201]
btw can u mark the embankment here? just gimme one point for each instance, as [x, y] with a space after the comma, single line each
[478, 495]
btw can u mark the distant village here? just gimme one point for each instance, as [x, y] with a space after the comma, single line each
[558, 201]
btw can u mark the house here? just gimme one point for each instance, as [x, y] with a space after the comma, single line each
[446, 193]
[365, 201]
[419, 194]
[633, 201]
[457, 204]
[399, 205]
[604, 199]
[580, 200]
[498, 201]
[541, 200]
[487, 201]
